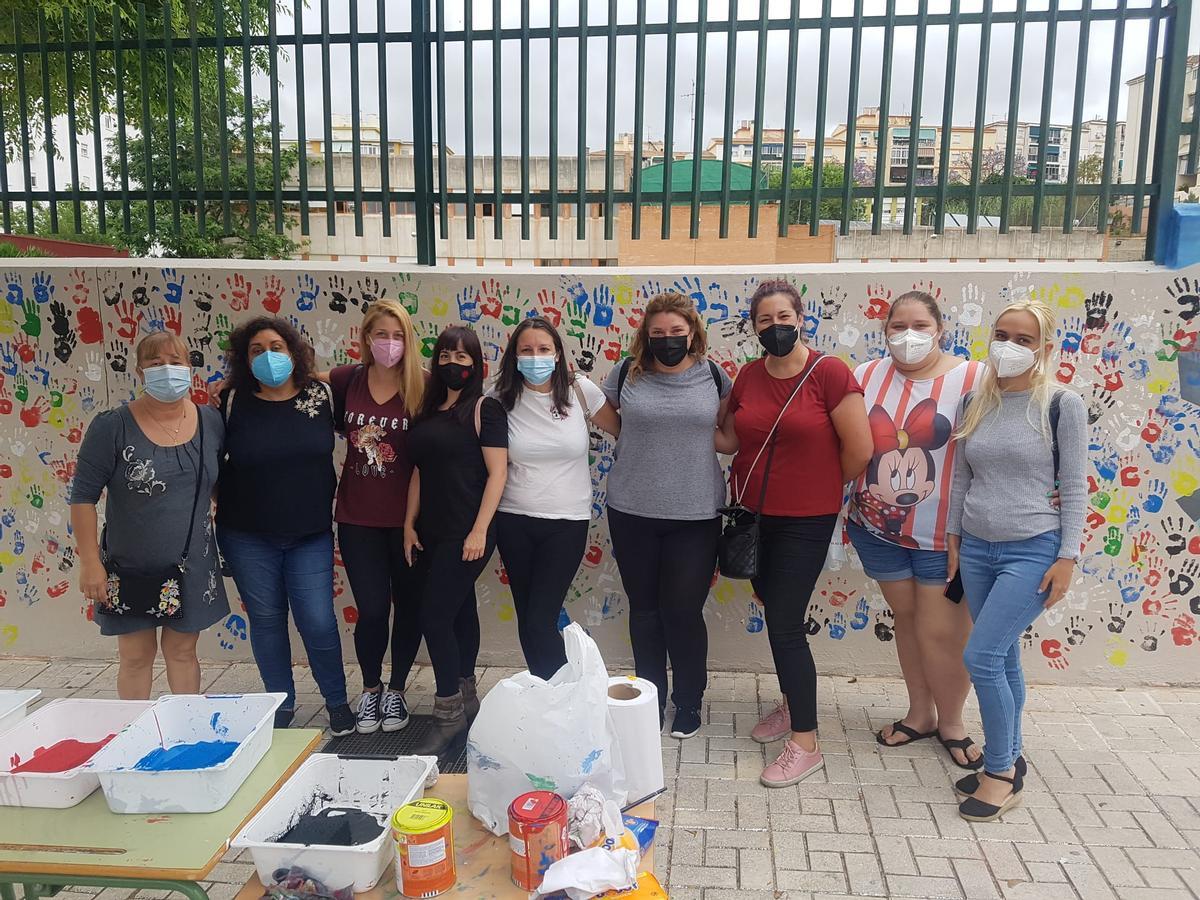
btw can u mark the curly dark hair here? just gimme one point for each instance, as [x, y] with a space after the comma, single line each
[510, 382]
[238, 356]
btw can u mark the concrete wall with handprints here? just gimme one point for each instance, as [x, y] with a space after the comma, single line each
[67, 334]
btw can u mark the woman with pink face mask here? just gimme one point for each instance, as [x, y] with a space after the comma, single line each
[373, 402]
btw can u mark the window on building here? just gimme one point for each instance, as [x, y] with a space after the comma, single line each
[486, 209]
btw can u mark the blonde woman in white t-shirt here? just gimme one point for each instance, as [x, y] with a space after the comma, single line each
[542, 521]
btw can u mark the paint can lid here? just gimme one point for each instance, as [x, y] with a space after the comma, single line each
[422, 816]
[537, 806]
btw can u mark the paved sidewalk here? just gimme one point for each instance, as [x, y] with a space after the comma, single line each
[1112, 803]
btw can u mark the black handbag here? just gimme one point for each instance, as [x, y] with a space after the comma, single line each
[739, 550]
[133, 593]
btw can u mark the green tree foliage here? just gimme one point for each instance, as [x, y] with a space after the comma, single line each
[800, 202]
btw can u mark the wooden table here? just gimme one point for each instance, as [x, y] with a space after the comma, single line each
[46, 849]
[483, 859]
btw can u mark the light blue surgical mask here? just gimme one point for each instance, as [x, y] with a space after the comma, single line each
[272, 368]
[167, 383]
[536, 369]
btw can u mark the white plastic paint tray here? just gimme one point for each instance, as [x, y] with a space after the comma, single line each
[81, 720]
[376, 786]
[13, 705]
[245, 719]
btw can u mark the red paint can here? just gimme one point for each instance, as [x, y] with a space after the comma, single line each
[537, 836]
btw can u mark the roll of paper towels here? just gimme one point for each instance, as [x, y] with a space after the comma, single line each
[633, 707]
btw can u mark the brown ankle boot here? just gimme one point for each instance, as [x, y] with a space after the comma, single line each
[449, 722]
[470, 697]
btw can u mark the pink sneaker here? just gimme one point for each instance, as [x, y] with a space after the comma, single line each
[774, 725]
[794, 764]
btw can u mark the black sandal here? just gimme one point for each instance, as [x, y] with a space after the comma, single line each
[975, 810]
[968, 785]
[961, 744]
[911, 733]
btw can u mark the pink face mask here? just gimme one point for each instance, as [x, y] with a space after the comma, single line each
[387, 351]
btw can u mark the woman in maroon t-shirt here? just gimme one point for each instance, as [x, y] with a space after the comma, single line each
[372, 403]
[814, 408]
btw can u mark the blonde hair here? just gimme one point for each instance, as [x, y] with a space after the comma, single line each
[986, 399]
[151, 342]
[671, 302]
[412, 378]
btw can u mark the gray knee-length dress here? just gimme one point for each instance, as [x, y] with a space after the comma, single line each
[149, 491]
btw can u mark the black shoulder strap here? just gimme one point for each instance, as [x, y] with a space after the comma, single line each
[226, 404]
[187, 542]
[715, 371]
[1055, 411]
[622, 375]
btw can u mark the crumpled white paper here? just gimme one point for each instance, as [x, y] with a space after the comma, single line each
[590, 814]
[587, 873]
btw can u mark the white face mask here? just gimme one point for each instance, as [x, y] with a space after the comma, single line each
[910, 347]
[1009, 359]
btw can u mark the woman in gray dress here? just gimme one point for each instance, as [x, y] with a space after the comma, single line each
[145, 456]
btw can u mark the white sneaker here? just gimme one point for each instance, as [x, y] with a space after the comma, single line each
[395, 710]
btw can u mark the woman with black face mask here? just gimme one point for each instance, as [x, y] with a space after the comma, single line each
[459, 450]
[663, 492]
[798, 424]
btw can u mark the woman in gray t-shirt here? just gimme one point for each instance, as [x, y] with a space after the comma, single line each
[145, 457]
[663, 491]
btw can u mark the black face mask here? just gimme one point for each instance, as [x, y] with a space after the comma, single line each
[669, 351]
[454, 376]
[779, 340]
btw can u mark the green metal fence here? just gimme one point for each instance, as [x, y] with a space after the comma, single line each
[198, 140]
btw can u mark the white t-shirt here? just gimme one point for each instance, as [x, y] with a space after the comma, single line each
[548, 476]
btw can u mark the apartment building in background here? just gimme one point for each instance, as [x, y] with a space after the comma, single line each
[1136, 104]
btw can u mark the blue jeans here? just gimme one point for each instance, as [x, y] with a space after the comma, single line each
[274, 573]
[1001, 581]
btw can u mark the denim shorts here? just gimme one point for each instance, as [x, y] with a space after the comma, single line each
[884, 561]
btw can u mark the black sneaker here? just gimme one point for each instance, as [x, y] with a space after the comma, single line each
[395, 710]
[341, 720]
[687, 722]
[368, 712]
[283, 717]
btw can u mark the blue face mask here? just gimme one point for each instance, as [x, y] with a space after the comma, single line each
[272, 368]
[167, 383]
[536, 369]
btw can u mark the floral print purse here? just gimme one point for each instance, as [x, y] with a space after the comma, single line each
[134, 593]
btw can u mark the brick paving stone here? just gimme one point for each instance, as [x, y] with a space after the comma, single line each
[934, 867]
[810, 881]
[975, 879]
[925, 888]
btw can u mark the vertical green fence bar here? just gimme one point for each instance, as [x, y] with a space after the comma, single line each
[327, 113]
[1014, 99]
[552, 125]
[248, 113]
[885, 101]
[1143, 155]
[1170, 116]
[23, 119]
[939, 214]
[497, 128]
[985, 53]
[610, 117]
[698, 115]
[1039, 194]
[69, 61]
[97, 138]
[122, 147]
[814, 219]
[422, 134]
[443, 205]
[1085, 25]
[525, 212]
[727, 138]
[581, 119]
[47, 119]
[914, 122]
[469, 110]
[301, 125]
[5, 196]
[852, 117]
[789, 119]
[639, 110]
[669, 117]
[1194, 140]
[273, 75]
[355, 121]
[385, 161]
[172, 132]
[197, 129]
[1110, 134]
[760, 90]
[146, 126]
[222, 119]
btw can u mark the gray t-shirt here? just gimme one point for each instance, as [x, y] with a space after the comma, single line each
[665, 465]
[1004, 475]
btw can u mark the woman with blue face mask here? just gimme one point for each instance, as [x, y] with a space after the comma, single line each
[542, 522]
[274, 509]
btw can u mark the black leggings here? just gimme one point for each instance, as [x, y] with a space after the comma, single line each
[449, 616]
[380, 580]
[667, 569]
[541, 557]
[793, 555]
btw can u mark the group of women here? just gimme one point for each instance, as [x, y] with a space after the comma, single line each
[966, 486]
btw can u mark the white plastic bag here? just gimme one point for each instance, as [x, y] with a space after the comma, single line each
[590, 872]
[532, 734]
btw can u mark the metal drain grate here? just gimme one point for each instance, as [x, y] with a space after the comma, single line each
[400, 743]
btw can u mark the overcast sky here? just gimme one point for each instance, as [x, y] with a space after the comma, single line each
[1100, 61]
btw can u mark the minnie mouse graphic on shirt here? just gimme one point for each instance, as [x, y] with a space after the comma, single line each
[902, 471]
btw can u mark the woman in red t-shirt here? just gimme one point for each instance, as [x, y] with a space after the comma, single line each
[798, 415]
[373, 402]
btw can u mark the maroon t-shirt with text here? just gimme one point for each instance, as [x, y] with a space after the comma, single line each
[373, 489]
